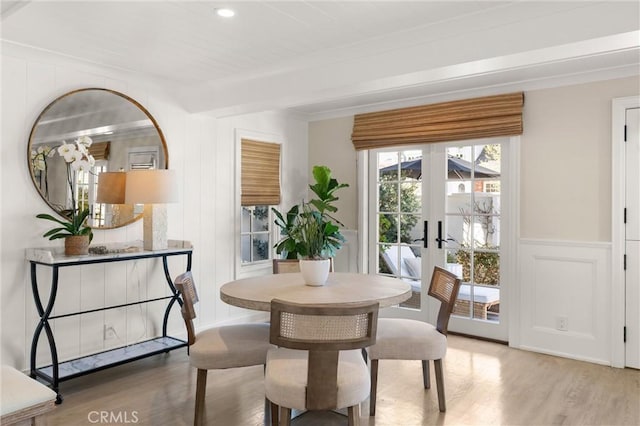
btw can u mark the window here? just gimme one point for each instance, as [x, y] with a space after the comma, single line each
[259, 190]
[255, 234]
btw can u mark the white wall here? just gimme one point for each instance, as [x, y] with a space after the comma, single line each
[332, 147]
[566, 160]
[564, 250]
[201, 150]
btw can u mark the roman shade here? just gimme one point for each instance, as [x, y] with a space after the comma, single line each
[100, 150]
[260, 173]
[484, 117]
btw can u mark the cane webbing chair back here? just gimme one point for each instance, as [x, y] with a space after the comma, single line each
[286, 266]
[186, 286]
[323, 327]
[323, 331]
[444, 287]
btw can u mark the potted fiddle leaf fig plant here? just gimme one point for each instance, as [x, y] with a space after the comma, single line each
[309, 231]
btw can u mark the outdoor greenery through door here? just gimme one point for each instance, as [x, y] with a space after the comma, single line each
[458, 203]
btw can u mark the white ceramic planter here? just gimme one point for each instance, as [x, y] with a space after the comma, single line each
[315, 272]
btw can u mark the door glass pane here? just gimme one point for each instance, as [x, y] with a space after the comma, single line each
[410, 197]
[473, 228]
[410, 228]
[399, 208]
[245, 223]
[487, 160]
[458, 196]
[388, 196]
[486, 232]
[486, 268]
[387, 228]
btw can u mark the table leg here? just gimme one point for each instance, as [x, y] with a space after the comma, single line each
[175, 295]
[44, 313]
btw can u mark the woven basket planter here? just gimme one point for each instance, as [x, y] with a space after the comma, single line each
[76, 245]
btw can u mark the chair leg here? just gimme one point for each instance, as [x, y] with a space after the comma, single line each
[275, 414]
[440, 384]
[425, 374]
[285, 415]
[201, 387]
[374, 387]
[354, 415]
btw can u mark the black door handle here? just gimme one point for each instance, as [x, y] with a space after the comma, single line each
[441, 240]
[425, 235]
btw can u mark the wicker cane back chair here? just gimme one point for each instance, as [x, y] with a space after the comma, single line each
[317, 364]
[239, 345]
[286, 266]
[408, 339]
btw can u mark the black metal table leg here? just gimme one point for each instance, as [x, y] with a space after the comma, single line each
[174, 291]
[44, 314]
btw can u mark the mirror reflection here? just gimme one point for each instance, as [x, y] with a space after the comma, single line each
[83, 134]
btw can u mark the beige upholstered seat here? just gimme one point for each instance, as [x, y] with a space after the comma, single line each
[23, 399]
[240, 345]
[318, 364]
[416, 340]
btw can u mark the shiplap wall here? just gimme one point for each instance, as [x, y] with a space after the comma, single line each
[201, 150]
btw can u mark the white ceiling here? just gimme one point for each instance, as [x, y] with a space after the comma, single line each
[324, 58]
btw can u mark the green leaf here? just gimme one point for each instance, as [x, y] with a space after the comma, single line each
[53, 231]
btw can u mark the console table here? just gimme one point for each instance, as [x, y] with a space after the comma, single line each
[54, 258]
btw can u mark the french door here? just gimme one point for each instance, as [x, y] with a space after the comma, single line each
[443, 205]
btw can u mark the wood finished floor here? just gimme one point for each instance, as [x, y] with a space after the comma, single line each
[486, 384]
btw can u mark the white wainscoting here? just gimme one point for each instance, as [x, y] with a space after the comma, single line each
[570, 281]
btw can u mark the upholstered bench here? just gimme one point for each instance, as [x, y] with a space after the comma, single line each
[22, 399]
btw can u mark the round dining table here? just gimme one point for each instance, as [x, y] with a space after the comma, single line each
[256, 293]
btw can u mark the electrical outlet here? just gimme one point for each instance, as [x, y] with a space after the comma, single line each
[562, 323]
[109, 332]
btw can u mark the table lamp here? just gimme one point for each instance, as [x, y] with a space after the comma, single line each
[111, 187]
[153, 188]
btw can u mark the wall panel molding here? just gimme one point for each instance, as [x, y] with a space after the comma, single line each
[566, 282]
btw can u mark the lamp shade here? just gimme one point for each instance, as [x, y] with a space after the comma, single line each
[151, 187]
[111, 186]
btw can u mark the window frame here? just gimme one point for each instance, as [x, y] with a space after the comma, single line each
[262, 267]
[251, 232]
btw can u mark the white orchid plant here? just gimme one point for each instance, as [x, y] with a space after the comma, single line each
[77, 158]
[39, 164]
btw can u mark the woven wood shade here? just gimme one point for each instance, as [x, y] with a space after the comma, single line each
[448, 121]
[100, 150]
[260, 173]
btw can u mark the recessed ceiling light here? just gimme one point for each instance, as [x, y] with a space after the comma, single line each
[225, 13]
